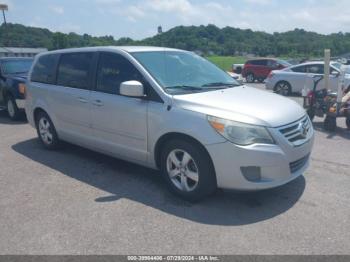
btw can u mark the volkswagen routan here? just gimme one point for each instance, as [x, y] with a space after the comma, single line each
[170, 110]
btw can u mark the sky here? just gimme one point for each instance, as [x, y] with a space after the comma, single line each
[140, 18]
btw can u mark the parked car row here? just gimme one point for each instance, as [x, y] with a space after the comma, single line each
[170, 110]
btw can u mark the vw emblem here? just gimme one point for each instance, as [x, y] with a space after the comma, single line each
[303, 129]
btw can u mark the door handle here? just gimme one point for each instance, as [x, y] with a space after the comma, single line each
[82, 100]
[97, 103]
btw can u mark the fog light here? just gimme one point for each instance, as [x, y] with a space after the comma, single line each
[251, 173]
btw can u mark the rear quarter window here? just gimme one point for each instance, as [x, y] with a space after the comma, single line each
[44, 69]
[258, 62]
[299, 69]
[74, 70]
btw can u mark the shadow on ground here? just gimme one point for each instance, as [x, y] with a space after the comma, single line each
[4, 119]
[339, 132]
[119, 179]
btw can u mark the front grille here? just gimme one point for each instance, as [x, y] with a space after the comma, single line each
[297, 165]
[297, 133]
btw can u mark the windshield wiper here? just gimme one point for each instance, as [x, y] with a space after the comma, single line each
[20, 72]
[222, 85]
[185, 87]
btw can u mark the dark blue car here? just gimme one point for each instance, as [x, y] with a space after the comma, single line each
[13, 74]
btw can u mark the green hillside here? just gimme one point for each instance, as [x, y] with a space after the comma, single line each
[209, 39]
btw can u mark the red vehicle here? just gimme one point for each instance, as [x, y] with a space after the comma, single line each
[259, 69]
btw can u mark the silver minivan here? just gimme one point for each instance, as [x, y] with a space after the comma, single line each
[171, 110]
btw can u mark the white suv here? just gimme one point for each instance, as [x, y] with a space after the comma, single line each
[171, 110]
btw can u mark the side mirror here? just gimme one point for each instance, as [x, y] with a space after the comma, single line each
[132, 89]
[335, 73]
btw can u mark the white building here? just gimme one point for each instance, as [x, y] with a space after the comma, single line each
[20, 52]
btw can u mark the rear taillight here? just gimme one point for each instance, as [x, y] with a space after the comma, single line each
[310, 97]
[311, 94]
[22, 89]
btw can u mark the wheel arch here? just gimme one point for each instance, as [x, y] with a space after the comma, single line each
[36, 112]
[40, 105]
[7, 92]
[176, 135]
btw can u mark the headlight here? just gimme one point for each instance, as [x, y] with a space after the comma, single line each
[239, 133]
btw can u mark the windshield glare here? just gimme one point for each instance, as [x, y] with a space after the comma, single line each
[175, 70]
[16, 66]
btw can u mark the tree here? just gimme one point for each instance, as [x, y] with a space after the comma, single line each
[59, 41]
[210, 38]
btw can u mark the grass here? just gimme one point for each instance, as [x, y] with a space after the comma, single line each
[226, 62]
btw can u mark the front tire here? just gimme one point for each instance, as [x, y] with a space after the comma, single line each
[283, 88]
[12, 109]
[46, 131]
[188, 170]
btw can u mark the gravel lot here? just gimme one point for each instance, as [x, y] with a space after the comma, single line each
[75, 201]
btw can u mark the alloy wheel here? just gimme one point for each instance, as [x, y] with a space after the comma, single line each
[282, 89]
[44, 131]
[250, 78]
[11, 108]
[182, 170]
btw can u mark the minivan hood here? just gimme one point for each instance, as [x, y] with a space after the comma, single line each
[243, 104]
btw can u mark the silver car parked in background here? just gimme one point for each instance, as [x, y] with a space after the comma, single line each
[171, 110]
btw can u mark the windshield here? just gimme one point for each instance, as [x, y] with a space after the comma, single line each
[16, 66]
[337, 65]
[183, 72]
[284, 63]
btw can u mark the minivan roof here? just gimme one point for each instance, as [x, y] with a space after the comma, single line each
[129, 49]
[263, 58]
[15, 58]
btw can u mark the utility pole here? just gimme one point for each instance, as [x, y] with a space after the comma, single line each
[327, 59]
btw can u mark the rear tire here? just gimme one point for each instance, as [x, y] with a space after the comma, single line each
[347, 123]
[187, 170]
[46, 131]
[330, 123]
[250, 78]
[261, 79]
[12, 109]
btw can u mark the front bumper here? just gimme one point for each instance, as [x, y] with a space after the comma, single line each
[279, 164]
[270, 85]
[21, 103]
